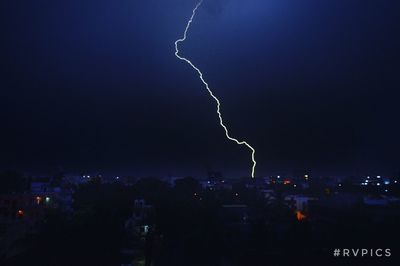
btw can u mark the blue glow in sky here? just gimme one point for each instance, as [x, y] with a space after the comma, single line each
[82, 79]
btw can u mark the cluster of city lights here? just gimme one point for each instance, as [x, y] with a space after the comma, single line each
[378, 181]
[40, 199]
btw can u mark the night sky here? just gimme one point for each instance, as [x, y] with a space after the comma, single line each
[95, 86]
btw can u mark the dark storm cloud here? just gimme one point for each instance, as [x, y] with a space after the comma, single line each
[215, 7]
[95, 85]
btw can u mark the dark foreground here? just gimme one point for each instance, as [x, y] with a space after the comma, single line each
[154, 223]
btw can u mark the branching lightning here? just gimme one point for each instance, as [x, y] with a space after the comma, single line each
[221, 122]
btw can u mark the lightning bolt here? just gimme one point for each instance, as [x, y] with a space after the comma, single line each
[221, 121]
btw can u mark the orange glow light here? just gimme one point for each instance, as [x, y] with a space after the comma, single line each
[300, 216]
